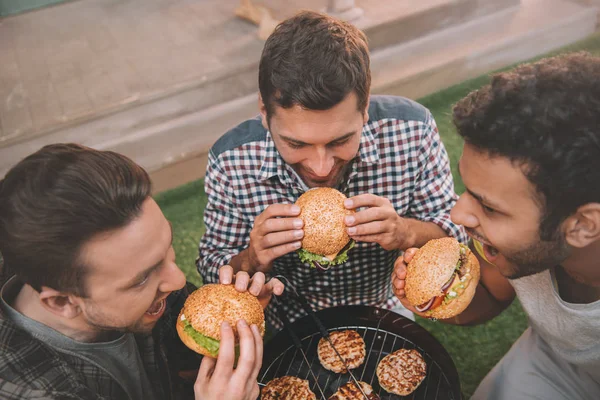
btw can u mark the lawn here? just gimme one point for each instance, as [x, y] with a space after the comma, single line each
[475, 350]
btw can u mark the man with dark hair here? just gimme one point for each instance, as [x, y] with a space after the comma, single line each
[319, 127]
[531, 167]
[91, 293]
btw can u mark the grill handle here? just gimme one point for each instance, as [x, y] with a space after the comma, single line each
[304, 304]
[322, 329]
[288, 326]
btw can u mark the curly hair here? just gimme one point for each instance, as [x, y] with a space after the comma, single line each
[314, 61]
[544, 116]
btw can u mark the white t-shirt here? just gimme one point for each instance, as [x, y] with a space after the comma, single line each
[571, 330]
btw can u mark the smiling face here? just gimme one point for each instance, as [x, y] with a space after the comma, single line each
[318, 145]
[501, 209]
[131, 272]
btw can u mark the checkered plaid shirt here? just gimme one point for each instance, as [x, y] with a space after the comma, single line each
[401, 158]
[30, 369]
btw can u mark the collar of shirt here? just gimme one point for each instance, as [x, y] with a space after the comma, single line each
[274, 165]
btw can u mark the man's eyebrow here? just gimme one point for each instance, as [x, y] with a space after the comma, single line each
[143, 274]
[295, 141]
[480, 198]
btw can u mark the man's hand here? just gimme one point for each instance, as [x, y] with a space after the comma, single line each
[398, 277]
[378, 223]
[218, 379]
[276, 232]
[255, 285]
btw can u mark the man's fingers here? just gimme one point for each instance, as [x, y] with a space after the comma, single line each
[367, 238]
[279, 210]
[268, 255]
[398, 283]
[258, 349]
[207, 367]
[277, 287]
[278, 238]
[366, 229]
[273, 287]
[245, 365]
[400, 268]
[257, 284]
[365, 200]
[226, 274]
[370, 215]
[409, 254]
[241, 281]
[226, 357]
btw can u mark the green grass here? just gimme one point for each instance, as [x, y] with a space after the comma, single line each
[475, 350]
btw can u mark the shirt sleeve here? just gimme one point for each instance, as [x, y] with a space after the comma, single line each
[227, 232]
[434, 194]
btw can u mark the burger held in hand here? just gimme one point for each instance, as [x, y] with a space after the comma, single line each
[200, 319]
[326, 241]
[441, 279]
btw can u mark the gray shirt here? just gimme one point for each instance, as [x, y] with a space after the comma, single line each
[571, 330]
[120, 358]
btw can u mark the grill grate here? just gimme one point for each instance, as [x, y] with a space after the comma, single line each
[383, 332]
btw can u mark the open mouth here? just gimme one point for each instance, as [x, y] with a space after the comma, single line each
[157, 308]
[490, 251]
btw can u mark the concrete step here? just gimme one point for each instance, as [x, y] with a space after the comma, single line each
[429, 64]
[111, 58]
[442, 59]
[388, 23]
[170, 136]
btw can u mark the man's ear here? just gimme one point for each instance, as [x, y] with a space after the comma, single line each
[263, 112]
[583, 227]
[60, 304]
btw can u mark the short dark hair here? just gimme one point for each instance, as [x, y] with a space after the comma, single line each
[546, 117]
[314, 61]
[57, 199]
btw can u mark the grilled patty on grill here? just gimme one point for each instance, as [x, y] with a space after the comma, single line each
[349, 344]
[350, 391]
[287, 388]
[402, 371]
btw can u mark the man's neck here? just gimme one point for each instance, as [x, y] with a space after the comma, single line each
[28, 303]
[578, 277]
[583, 265]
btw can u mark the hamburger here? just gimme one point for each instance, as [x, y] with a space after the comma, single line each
[205, 309]
[401, 372]
[350, 391]
[441, 278]
[326, 241]
[287, 388]
[349, 344]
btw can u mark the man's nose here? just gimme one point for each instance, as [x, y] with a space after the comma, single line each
[463, 212]
[173, 279]
[322, 163]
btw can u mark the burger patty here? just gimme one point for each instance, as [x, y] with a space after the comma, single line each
[401, 372]
[349, 344]
[287, 388]
[350, 391]
[463, 260]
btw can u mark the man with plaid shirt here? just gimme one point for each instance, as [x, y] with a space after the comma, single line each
[90, 292]
[318, 127]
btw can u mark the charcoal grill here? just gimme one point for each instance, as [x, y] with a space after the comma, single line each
[383, 332]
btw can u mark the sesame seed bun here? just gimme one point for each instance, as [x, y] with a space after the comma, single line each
[432, 267]
[323, 212]
[207, 307]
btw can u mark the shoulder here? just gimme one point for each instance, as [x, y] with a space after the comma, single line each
[396, 107]
[248, 131]
[48, 373]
